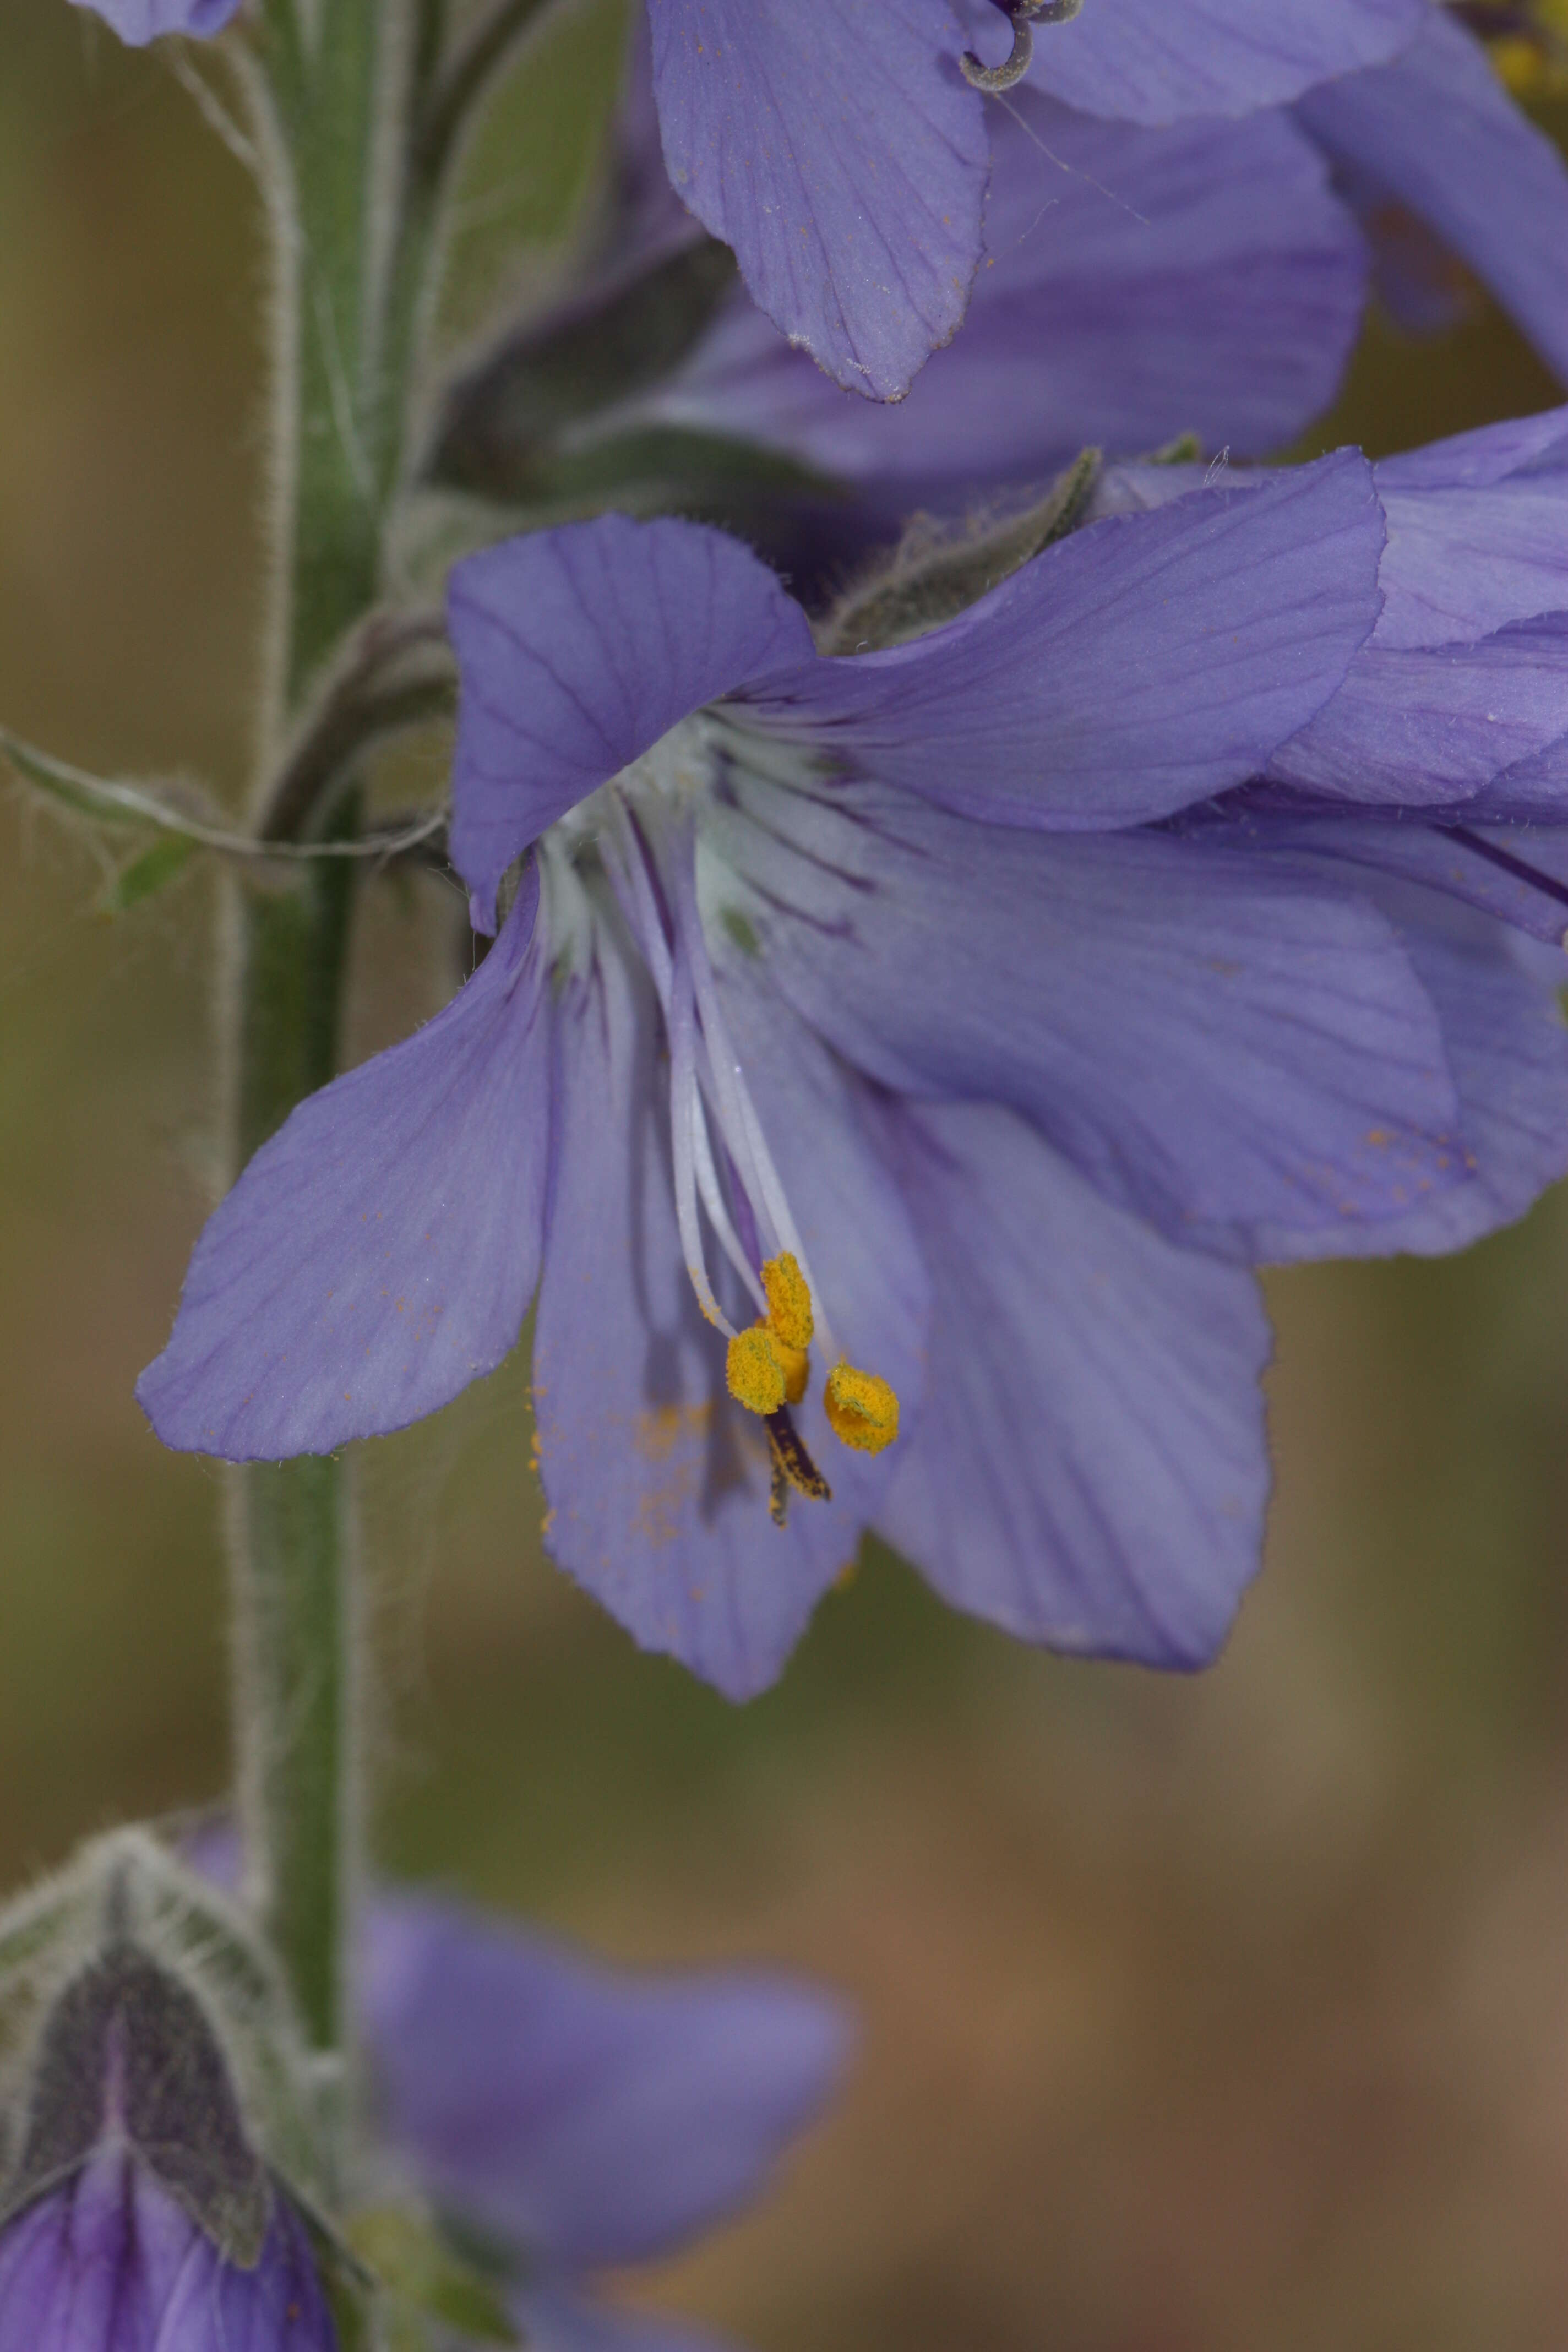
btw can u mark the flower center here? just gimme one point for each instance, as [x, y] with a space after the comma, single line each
[729, 1196]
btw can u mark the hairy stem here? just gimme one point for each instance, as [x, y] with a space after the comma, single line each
[318, 106]
[323, 109]
[295, 1646]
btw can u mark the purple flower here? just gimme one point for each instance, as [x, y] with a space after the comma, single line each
[883, 977]
[141, 21]
[107, 2261]
[579, 2117]
[1136, 284]
[836, 146]
[1141, 282]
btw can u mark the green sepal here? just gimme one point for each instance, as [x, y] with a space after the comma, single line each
[660, 468]
[931, 577]
[499, 420]
[652, 471]
[128, 1940]
[1186, 449]
[124, 2017]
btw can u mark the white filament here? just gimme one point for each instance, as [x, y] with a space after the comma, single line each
[742, 1128]
[706, 1080]
[682, 1137]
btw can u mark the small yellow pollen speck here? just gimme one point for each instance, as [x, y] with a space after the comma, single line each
[789, 1300]
[861, 1408]
[754, 1374]
[658, 1433]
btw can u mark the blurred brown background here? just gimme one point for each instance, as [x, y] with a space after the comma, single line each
[1199, 2015]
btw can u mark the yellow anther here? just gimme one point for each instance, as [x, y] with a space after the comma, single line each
[789, 1302]
[752, 1368]
[793, 1363]
[861, 1408]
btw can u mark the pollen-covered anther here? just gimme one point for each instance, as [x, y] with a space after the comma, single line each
[770, 1364]
[862, 1408]
[789, 1322]
[795, 1365]
[752, 1372]
[789, 1301]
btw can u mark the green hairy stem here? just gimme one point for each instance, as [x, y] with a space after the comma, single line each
[295, 1642]
[319, 102]
[358, 112]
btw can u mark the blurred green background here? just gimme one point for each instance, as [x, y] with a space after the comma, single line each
[1199, 2015]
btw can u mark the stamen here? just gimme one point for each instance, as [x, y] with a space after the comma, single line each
[861, 1407]
[713, 1200]
[627, 865]
[792, 1468]
[682, 1136]
[737, 1113]
[770, 1364]
[789, 1322]
[754, 1372]
[789, 1300]
[767, 1366]
[1024, 15]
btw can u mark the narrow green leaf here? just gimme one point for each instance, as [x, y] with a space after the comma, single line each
[96, 796]
[153, 871]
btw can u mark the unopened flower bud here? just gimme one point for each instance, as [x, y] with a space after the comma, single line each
[137, 2205]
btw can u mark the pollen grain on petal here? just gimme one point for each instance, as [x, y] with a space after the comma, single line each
[862, 1408]
[657, 1432]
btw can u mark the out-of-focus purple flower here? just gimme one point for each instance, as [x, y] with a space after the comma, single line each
[107, 2261]
[141, 21]
[835, 145]
[887, 966]
[582, 2118]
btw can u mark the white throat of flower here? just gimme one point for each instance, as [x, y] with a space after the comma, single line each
[644, 826]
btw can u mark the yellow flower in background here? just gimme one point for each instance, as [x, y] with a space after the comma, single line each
[1528, 42]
